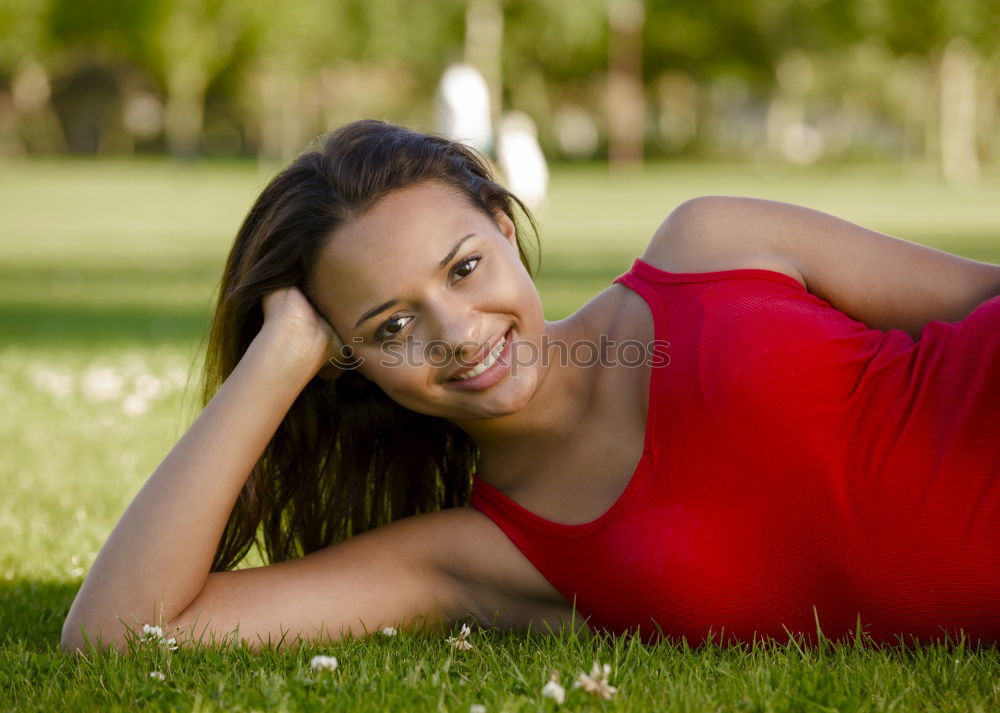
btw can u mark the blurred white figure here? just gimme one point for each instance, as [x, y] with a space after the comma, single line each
[576, 132]
[463, 107]
[521, 158]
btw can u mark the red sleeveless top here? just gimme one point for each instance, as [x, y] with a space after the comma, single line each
[800, 468]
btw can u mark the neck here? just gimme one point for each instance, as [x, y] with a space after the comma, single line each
[510, 446]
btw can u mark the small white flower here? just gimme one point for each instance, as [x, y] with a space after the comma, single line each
[477, 708]
[461, 641]
[149, 632]
[102, 383]
[157, 675]
[323, 663]
[169, 644]
[553, 690]
[176, 377]
[147, 386]
[75, 570]
[57, 383]
[135, 405]
[597, 682]
[389, 631]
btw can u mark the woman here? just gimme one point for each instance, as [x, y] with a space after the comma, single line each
[773, 420]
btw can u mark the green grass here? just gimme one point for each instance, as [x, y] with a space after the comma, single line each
[106, 279]
[506, 672]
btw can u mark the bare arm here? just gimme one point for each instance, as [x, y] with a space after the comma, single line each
[384, 577]
[883, 281]
[159, 554]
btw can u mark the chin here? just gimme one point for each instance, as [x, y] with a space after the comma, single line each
[494, 410]
[504, 399]
[513, 397]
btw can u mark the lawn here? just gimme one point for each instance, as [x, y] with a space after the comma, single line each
[107, 273]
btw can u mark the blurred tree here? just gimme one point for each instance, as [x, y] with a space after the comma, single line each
[24, 32]
[626, 104]
[27, 122]
[709, 38]
[93, 48]
[319, 64]
[104, 30]
[555, 54]
[186, 43]
[716, 75]
[483, 42]
[292, 43]
[958, 34]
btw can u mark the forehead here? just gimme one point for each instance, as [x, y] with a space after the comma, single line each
[405, 218]
[394, 246]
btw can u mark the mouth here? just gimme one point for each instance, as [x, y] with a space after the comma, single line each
[488, 361]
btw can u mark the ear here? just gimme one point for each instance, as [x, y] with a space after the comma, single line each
[506, 226]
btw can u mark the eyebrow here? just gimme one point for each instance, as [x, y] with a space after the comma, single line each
[386, 305]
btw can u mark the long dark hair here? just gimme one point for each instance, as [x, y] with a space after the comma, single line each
[346, 458]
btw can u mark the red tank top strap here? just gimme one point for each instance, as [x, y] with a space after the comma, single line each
[644, 271]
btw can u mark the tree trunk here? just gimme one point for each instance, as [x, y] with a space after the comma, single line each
[959, 154]
[185, 109]
[626, 103]
[283, 114]
[484, 47]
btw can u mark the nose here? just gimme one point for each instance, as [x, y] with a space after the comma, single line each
[456, 330]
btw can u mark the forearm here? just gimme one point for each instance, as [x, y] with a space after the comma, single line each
[160, 552]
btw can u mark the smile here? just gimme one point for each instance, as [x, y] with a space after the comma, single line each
[485, 363]
[487, 372]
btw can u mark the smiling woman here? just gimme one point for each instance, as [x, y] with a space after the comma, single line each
[312, 434]
[389, 418]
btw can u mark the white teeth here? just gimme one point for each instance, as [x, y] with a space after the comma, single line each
[487, 362]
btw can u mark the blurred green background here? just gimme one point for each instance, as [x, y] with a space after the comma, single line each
[134, 136]
[798, 80]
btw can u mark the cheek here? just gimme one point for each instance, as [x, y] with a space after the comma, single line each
[530, 304]
[407, 386]
[514, 287]
[396, 374]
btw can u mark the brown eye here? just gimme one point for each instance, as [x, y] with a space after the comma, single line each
[473, 259]
[385, 330]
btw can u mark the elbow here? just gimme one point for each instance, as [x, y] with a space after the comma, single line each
[78, 638]
[993, 280]
[76, 628]
[72, 639]
[82, 631]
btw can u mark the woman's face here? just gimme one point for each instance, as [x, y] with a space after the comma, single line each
[422, 286]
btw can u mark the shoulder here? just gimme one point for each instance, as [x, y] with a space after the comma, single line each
[496, 582]
[704, 234]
